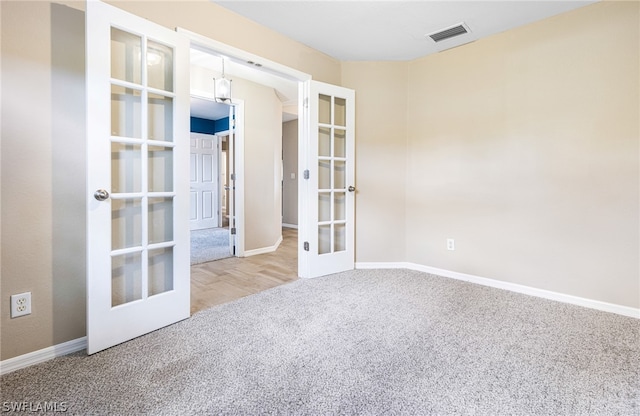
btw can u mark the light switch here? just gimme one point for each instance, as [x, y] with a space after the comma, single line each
[293, 175]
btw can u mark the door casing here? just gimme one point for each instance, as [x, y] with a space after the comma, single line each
[304, 88]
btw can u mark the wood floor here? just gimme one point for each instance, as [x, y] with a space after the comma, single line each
[229, 279]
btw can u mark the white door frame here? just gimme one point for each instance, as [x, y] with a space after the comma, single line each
[304, 139]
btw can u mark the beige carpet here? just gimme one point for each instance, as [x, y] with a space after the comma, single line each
[367, 342]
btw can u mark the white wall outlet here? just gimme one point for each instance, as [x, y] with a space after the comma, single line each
[451, 244]
[20, 304]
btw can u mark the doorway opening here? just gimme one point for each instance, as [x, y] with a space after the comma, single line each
[271, 249]
[213, 220]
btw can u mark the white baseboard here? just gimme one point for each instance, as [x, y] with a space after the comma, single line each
[263, 250]
[290, 225]
[513, 287]
[45, 354]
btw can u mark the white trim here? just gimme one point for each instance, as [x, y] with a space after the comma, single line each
[240, 56]
[512, 287]
[263, 250]
[238, 157]
[304, 200]
[40, 356]
[290, 225]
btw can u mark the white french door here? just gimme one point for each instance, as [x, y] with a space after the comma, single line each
[137, 176]
[204, 181]
[328, 239]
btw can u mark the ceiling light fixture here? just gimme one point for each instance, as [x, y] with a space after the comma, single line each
[222, 88]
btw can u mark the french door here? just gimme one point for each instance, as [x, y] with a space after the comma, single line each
[328, 188]
[137, 176]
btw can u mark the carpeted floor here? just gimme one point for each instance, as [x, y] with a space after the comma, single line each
[362, 342]
[209, 244]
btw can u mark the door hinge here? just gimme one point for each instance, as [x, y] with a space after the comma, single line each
[306, 102]
[306, 246]
[233, 231]
[233, 176]
[305, 174]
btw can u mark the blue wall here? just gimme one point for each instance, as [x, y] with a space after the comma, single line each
[201, 125]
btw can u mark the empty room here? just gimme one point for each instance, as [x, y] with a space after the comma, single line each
[468, 207]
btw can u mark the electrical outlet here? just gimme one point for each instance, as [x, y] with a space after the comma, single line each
[451, 244]
[20, 304]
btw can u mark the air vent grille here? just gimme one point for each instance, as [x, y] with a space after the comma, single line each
[448, 33]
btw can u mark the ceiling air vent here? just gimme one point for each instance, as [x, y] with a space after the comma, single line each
[450, 32]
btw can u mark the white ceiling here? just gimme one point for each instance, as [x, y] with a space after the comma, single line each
[361, 30]
[391, 30]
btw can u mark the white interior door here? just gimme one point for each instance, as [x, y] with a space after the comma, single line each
[204, 181]
[137, 176]
[328, 187]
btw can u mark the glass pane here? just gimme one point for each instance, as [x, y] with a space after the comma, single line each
[126, 168]
[339, 172]
[324, 141]
[339, 237]
[324, 206]
[160, 220]
[339, 200]
[160, 169]
[160, 118]
[324, 174]
[324, 239]
[160, 270]
[340, 112]
[126, 223]
[159, 66]
[324, 109]
[126, 278]
[126, 112]
[126, 56]
[339, 143]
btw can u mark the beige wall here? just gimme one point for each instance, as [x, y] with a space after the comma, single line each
[381, 111]
[209, 19]
[43, 170]
[523, 147]
[290, 165]
[262, 166]
[43, 162]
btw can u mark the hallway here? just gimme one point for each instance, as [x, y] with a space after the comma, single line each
[232, 278]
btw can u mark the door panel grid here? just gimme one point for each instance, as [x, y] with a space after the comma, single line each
[332, 165]
[142, 166]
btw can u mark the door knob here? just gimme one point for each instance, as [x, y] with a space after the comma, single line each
[101, 195]
[351, 189]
